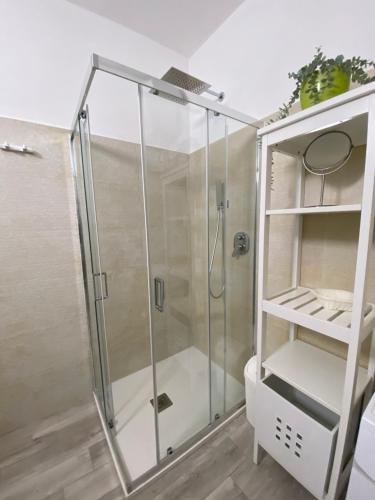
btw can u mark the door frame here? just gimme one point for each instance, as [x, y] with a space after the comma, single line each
[97, 294]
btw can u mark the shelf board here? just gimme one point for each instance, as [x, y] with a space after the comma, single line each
[328, 209]
[301, 307]
[351, 95]
[317, 373]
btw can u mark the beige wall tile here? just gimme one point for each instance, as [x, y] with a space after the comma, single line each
[121, 229]
[44, 365]
[240, 184]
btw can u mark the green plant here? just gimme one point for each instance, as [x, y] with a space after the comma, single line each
[321, 68]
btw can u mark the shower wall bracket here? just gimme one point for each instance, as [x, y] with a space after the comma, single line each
[13, 148]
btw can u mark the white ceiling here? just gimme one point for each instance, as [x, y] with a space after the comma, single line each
[180, 25]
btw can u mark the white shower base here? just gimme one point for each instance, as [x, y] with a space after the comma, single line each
[184, 377]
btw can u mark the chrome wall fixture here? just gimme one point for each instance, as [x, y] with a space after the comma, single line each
[13, 148]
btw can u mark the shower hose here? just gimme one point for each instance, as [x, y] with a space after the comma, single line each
[213, 295]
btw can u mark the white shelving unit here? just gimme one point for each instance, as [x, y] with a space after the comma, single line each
[306, 387]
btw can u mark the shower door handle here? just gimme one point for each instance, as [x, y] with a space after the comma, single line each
[106, 294]
[159, 294]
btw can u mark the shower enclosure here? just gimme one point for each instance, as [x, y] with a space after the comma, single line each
[166, 189]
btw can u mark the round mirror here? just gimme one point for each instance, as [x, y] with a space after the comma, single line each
[326, 154]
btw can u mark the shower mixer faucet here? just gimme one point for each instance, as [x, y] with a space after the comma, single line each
[241, 244]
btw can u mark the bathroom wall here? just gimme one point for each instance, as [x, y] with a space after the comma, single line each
[54, 39]
[44, 352]
[336, 237]
[250, 54]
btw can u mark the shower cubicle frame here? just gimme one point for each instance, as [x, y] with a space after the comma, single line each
[108, 66]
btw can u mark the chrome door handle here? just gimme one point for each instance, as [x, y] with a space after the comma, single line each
[159, 294]
[106, 294]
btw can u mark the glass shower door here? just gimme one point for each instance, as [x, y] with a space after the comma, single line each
[119, 275]
[217, 212]
[96, 279]
[174, 157]
[231, 235]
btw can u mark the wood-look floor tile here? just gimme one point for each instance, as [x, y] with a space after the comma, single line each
[169, 477]
[227, 490]
[206, 473]
[61, 421]
[15, 442]
[69, 460]
[94, 485]
[99, 453]
[59, 495]
[52, 447]
[241, 433]
[116, 494]
[48, 481]
[268, 480]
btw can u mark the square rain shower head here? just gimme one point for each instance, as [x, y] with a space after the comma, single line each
[184, 81]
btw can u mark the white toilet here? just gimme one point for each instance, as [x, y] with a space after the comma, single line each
[362, 479]
[250, 373]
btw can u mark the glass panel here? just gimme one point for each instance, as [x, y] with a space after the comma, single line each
[232, 207]
[174, 136]
[77, 151]
[217, 212]
[121, 273]
[240, 220]
[192, 363]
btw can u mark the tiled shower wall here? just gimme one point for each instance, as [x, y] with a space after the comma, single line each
[177, 236]
[119, 203]
[240, 189]
[44, 352]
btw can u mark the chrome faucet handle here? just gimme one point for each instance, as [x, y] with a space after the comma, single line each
[241, 244]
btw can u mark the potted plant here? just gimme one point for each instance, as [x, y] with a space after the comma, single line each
[324, 78]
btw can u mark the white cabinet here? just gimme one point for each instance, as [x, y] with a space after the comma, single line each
[297, 431]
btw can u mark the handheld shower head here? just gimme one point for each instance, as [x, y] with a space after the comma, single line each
[220, 194]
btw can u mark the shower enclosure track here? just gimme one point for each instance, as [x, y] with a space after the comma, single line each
[114, 68]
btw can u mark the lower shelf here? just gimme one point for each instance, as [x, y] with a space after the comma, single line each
[314, 372]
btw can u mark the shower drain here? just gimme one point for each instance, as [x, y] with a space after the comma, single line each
[164, 402]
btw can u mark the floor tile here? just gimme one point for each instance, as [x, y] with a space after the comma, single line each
[93, 485]
[227, 490]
